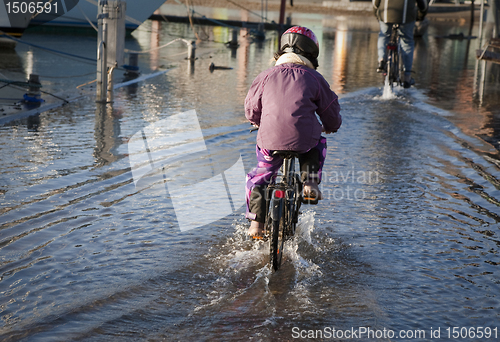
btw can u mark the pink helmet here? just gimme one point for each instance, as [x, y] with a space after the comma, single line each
[302, 39]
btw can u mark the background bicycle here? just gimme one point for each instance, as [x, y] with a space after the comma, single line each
[394, 67]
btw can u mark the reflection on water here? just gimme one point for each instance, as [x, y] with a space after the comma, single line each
[107, 134]
[85, 255]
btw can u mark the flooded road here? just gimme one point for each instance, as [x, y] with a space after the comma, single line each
[405, 245]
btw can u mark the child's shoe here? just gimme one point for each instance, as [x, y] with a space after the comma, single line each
[382, 66]
[256, 230]
[311, 193]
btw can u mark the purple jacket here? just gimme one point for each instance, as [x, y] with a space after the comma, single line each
[283, 101]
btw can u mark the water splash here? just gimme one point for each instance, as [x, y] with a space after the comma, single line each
[388, 93]
[303, 235]
[306, 226]
[239, 252]
[237, 255]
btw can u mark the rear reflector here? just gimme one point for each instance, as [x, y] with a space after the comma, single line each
[279, 194]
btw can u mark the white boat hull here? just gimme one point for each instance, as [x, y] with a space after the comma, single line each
[12, 24]
[85, 12]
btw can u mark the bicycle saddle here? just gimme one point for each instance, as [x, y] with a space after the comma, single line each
[285, 154]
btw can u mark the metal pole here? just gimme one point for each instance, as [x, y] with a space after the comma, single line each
[192, 51]
[482, 83]
[191, 56]
[266, 11]
[481, 16]
[34, 94]
[102, 67]
[234, 40]
[495, 8]
[476, 70]
[109, 93]
[110, 52]
[262, 11]
[476, 75]
[282, 14]
[472, 7]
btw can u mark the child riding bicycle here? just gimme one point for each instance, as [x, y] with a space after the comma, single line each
[283, 102]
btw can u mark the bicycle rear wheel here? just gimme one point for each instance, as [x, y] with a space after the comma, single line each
[278, 233]
[401, 68]
[392, 67]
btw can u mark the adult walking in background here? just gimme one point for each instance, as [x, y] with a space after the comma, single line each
[404, 13]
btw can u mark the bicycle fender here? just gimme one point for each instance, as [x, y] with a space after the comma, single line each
[277, 205]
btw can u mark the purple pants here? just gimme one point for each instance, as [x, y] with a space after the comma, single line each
[311, 165]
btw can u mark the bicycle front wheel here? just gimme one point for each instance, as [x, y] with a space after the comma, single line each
[278, 234]
[294, 208]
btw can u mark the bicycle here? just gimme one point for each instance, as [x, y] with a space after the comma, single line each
[283, 200]
[394, 66]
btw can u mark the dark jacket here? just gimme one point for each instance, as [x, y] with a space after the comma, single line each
[399, 11]
[284, 101]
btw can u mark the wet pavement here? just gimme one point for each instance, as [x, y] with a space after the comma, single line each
[404, 246]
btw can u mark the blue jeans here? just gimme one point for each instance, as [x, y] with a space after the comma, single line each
[407, 43]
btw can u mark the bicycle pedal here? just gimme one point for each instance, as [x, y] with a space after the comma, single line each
[259, 238]
[310, 200]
